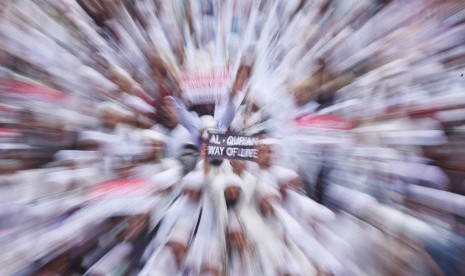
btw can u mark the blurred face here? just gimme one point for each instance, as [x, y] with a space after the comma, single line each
[255, 108]
[238, 166]
[110, 119]
[296, 184]
[282, 188]
[264, 156]
[236, 240]
[193, 195]
[231, 195]
[304, 95]
[144, 121]
[170, 118]
[155, 149]
[266, 205]
[179, 251]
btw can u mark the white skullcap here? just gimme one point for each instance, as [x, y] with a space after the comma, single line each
[166, 179]
[266, 190]
[257, 99]
[181, 232]
[233, 180]
[207, 122]
[193, 181]
[152, 135]
[285, 175]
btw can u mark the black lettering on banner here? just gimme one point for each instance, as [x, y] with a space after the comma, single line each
[222, 146]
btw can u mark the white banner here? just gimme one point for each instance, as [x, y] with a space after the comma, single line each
[200, 87]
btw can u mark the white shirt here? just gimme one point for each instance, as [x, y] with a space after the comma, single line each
[177, 138]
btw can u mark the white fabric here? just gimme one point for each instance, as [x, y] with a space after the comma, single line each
[176, 139]
[194, 180]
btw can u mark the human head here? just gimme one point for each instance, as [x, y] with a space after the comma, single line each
[193, 185]
[287, 179]
[232, 190]
[178, 240]
[266, 198]
[165, 181]
[207, 124]
[167, 113]
[256, 101]
[235, 233]
[238, 166]
[154, 143]
[305, 92]
[265, 152]
[189, 157]
[111, 114]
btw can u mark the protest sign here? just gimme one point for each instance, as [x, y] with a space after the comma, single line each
[221, 146]
[322, 128]
[204, 86]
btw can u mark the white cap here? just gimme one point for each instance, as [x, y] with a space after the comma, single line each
[207, 122]
[265, 191]
[233, 180]
[285, 175]
[193, 181]
[257, 99]
[165, 179]
[152, 135]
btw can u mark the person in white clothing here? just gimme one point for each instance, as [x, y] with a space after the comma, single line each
[250, 181]
[177, 135]
[187, 205]
[154, 160]
[169, 258]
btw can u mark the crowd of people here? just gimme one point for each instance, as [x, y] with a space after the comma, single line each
[357, 106]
